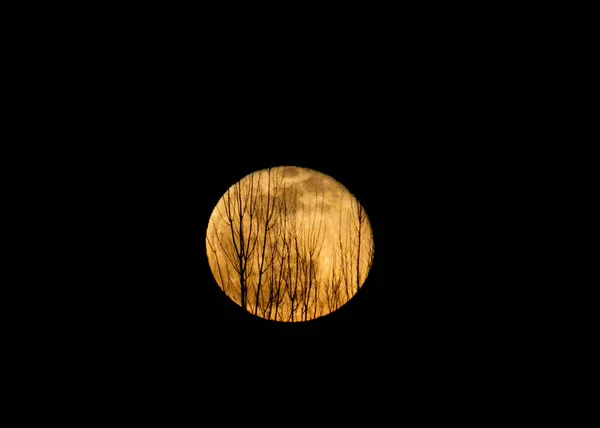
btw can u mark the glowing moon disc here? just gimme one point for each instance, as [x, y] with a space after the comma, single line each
[289, 244]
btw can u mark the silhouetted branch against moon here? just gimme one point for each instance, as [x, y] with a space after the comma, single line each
[289, 244]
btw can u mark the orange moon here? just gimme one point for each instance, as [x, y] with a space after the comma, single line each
[289, 244]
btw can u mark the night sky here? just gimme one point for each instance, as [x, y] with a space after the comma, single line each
[419, 126]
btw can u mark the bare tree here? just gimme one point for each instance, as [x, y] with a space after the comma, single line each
[292, 249]
[352, 256]
[266, 219]
[359, 224]
[212, 238]
[313, 235]
[238, 212]
[333, 286]
[344, 254]
[274, 276]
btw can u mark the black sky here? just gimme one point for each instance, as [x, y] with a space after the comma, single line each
[418, 298]
[401, 296]
[419, 124]
[414, 150]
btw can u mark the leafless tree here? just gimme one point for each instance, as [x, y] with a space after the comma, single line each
[333, 286]
[292, 251]
[312, 229]
[238, 212]
[359, 225]
[213, 246]
[267, 217]
[274, 277]
[345, 255]
[352, 256]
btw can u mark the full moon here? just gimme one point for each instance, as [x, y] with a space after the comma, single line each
[289, 244]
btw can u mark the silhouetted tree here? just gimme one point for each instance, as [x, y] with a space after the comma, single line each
[274, 276]
[352, 256]
[333, 286]
[268, 213]
[212, 243]
[312, 228]
[239, 209]
[359, 224]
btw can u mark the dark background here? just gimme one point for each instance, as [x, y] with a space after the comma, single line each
[146, 118]
[418, 132]
[426, 304]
